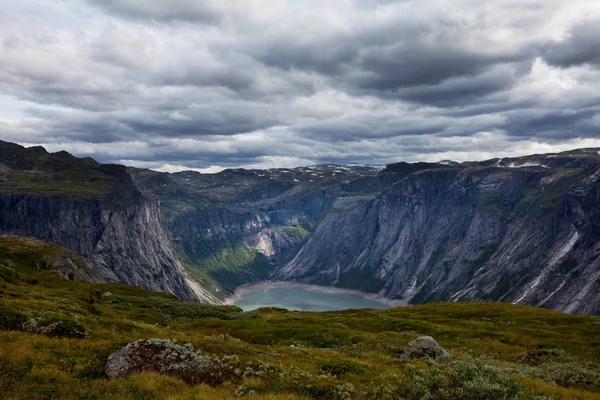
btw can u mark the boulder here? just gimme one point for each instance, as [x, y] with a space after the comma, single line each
[425, 347]
[161, 356]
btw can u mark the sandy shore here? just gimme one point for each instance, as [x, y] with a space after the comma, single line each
[266, 285]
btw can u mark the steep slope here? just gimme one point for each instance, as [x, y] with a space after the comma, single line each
[94, 210]
[523, 230]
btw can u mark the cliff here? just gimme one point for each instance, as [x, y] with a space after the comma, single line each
[94, 210]
[522, 230]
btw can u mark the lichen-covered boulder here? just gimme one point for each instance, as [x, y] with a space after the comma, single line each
[425, 347]
[161, 356]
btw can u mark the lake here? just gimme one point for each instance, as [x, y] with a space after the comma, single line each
[304, 300]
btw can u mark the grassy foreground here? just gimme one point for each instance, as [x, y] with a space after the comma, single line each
[276, 354]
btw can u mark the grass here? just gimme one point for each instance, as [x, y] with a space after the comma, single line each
[83, 184]
[289, 355]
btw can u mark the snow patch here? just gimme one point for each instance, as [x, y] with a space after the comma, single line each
[528, 164]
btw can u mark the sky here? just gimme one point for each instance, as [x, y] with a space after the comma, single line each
[213, 84]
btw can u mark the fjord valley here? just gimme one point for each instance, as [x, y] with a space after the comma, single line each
[521, 230]
[113, 279]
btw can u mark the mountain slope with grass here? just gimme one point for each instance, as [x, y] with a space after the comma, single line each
[497, 351]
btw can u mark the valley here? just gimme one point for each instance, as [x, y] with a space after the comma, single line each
[520, 230]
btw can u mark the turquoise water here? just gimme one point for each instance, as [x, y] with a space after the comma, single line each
[304, 300]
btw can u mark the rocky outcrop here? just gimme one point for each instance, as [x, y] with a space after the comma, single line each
[522, 230]
[160, 356]
[56, 328]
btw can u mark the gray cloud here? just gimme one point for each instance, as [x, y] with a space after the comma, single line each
[582, 47]
[230, 83]
[173, 10]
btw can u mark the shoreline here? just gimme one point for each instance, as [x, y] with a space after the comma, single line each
[267, 285]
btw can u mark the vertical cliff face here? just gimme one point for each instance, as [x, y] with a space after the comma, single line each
[526, 233]
[94, 210]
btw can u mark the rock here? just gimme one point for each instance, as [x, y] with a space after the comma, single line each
[161, 356]
[435, 233]
[30, 326]
[425, 347]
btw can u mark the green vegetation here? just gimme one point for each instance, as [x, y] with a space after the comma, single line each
[296, 231]
[276, 354]
[230, 263]
[80, 184]
[362, 279]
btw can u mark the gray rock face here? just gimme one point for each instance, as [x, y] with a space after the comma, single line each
[124, 244]
[425, 347]
[161, 356]
[525, 231]
[108, 221]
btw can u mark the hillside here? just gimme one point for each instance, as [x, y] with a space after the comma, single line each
[276, 354]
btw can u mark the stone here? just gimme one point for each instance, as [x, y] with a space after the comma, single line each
[160, 356]
[425, 347]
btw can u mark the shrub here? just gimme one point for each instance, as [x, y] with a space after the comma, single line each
[339, 368]
[465, 379]
[11, 320]
[56, 328]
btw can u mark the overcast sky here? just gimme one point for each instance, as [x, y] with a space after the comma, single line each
[207, 84]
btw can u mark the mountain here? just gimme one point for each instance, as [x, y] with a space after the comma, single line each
[523, 230]
[94, 210]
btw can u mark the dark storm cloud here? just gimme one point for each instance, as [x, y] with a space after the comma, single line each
[412, 63]
[158, 10]
[554, 124]
[582, 47]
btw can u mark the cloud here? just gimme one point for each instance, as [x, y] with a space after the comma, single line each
[581, 47]
[215, 84]
[205, 11]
